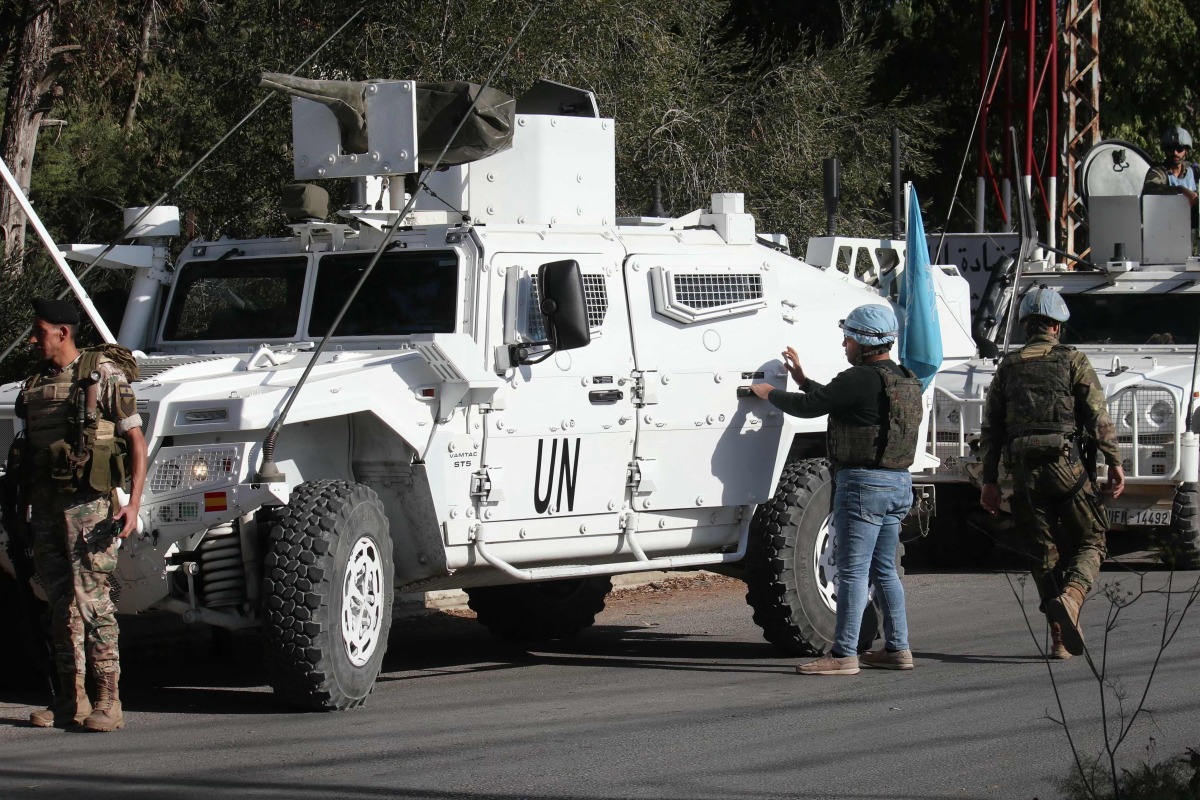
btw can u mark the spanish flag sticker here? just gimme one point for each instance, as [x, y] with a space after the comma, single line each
[215, 501]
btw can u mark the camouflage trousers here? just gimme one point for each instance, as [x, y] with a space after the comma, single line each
[1066, 525]
[75, 575]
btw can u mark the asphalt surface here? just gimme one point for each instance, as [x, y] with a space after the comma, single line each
[672, 695]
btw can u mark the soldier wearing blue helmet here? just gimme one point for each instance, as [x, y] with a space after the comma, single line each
[874, 411]
[1044, 402]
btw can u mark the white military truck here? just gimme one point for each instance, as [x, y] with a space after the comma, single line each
[1135, 312]
[527, 397]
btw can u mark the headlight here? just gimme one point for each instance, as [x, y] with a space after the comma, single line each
[184, 469]
[1160, 414]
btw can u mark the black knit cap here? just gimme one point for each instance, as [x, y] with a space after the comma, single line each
[56, 312]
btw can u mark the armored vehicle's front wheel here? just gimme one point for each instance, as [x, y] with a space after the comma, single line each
[1182, 550]
[328, 595]
[791, 577]
[538, 612]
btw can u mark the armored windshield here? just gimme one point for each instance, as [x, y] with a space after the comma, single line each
[1131, 319]
[237, 298]
[414, 292]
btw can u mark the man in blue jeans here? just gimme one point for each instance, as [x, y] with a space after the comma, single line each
[874, 412]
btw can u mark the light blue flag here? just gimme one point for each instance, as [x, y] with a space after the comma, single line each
[921, 339]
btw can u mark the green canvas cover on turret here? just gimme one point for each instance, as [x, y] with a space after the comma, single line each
[440, 106]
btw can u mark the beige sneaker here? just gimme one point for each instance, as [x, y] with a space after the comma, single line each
[830, 665]
[885, 659]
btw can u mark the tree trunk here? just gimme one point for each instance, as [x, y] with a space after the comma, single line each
[140, 73]
[22, 119]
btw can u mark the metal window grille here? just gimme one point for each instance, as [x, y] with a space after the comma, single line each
[184, 471]
[595, 295]
[704, 292]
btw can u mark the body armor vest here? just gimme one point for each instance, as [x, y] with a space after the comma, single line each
[71, 446]
[892, 445]
[1038, 393]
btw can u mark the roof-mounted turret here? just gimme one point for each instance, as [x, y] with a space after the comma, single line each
[547, 158]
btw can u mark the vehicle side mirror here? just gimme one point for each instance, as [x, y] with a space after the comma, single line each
[564, 305]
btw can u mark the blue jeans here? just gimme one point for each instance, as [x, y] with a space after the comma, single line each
[868, 506]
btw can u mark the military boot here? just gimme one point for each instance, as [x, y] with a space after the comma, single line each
[1057, 649]
[107, 716]
[70, 706]
[1064, 610]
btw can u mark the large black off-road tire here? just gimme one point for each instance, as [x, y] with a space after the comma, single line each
[539, 612]
[1182, 546]
[327, 594]
[790, 575]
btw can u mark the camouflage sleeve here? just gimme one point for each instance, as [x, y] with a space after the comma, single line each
[1090, 408]
[992, 437]
[116, 399]
[1156, 183]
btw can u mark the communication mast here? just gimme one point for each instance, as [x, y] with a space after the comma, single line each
[1082, 34]
[1019, 76]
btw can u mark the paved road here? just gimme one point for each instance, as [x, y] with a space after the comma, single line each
[673, 695]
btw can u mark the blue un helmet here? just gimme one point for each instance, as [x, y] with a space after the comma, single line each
[871, 325]
[1044, 302]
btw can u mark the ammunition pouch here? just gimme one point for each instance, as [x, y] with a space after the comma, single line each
[102, 469]
[1039, 447]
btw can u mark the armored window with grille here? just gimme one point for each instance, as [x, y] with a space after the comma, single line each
[693, 295]
[595, 294]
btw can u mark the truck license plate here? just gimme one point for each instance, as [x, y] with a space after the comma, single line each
[1140, 516]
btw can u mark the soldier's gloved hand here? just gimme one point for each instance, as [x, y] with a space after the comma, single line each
[989, 497]
[761, 389]
[1116, 481]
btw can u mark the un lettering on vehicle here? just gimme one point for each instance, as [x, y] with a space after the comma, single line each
[556, 474]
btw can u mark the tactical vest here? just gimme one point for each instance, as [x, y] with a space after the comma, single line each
[72, 447]
[1038, 393]
[889, 446]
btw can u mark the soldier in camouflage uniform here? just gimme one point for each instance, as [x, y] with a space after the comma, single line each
[874, 412]
[84, 436]
[1043, 403]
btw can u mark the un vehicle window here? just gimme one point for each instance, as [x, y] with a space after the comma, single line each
[1132, 318]
[406, 293]
[237, 299]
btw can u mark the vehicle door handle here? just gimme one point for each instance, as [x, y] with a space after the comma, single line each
[606, 396]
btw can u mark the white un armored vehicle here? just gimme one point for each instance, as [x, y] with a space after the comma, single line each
[1135, 312]
[527, 396]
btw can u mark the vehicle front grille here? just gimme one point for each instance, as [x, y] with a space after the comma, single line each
[1145, 419]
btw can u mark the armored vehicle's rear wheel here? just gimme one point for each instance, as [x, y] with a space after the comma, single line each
[791, 578]
[538, 612]
[328, 595]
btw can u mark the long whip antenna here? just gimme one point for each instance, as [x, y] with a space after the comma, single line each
[970, 141]
[138, 221]
[270, 472]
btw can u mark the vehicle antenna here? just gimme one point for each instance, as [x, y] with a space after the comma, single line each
[1024, 252]
[983, 97]
[138, 221]
[268, 471]
[1187, 423]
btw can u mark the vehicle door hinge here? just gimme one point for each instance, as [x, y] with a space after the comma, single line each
[644, 393]
[640, 474]
[485, 485]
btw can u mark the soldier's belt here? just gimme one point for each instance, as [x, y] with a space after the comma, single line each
[1039, 445]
